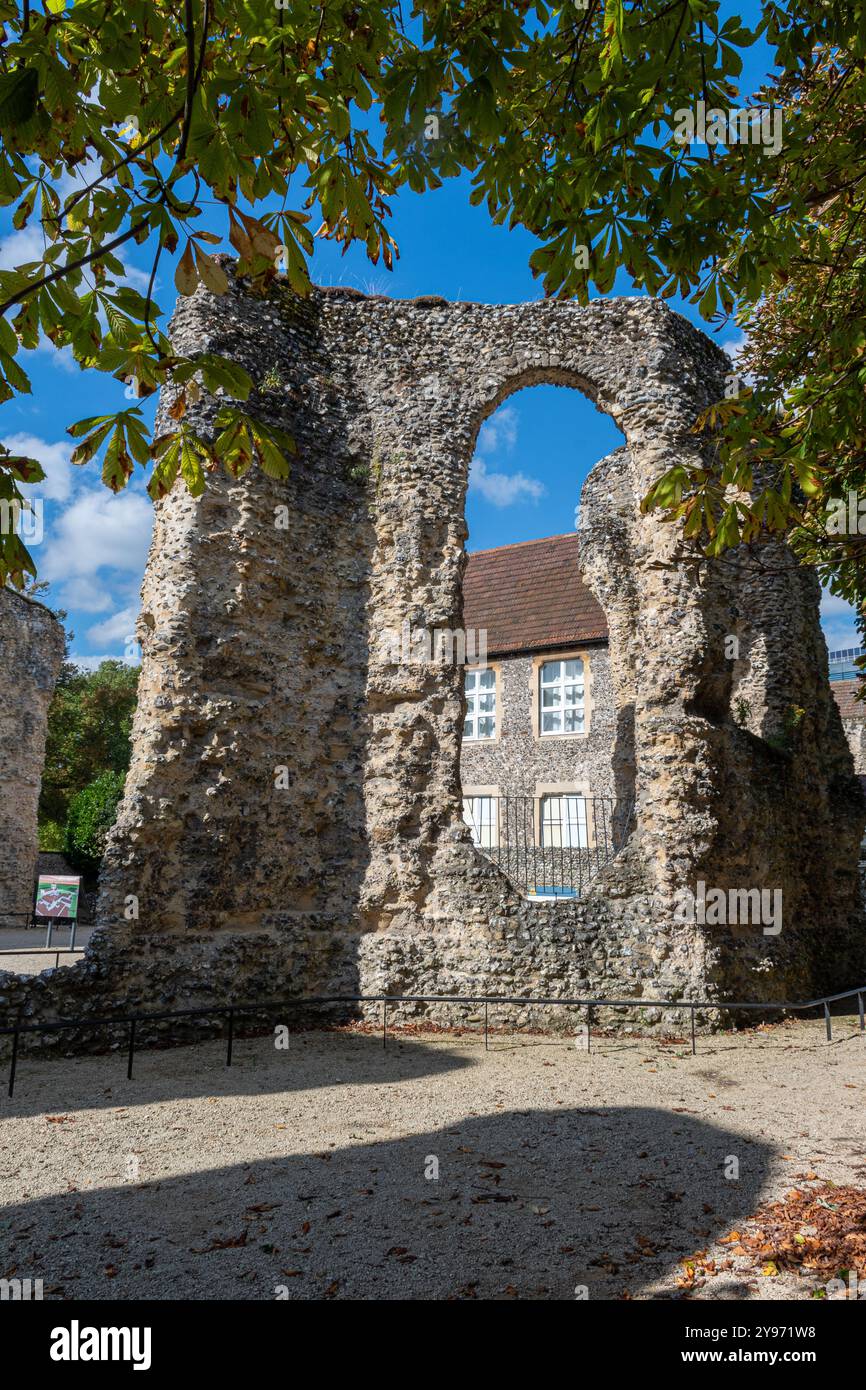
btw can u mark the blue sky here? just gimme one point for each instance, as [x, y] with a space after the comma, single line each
[531, 459]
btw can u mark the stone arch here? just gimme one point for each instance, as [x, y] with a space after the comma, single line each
[604, 764]
[263, 647]
[652, 373]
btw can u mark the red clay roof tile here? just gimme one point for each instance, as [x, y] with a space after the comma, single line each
[530, 597]
[849, 708]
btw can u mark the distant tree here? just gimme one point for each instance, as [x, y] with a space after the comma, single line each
[92, 813]
[89, 723]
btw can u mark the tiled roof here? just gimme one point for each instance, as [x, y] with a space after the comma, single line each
[530, 597]
[845, 691]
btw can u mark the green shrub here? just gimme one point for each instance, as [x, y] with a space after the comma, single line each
[92, 813]
[52, 836]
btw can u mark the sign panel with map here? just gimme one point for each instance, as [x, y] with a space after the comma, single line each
[57, 896]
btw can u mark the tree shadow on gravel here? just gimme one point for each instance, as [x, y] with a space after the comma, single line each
[529, 1204]
[71, 1084]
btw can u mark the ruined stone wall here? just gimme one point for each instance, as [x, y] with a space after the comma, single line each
[32, 645]
[855, 733]
[292, 818]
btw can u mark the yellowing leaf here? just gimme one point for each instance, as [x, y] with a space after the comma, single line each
[186, 275]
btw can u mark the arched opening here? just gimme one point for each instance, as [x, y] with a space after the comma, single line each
[546, 755]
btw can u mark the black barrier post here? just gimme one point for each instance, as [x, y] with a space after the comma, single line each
[231, 1037]
[694, 1049]
[14, 1061]
[486, 1048]
[14, 1029]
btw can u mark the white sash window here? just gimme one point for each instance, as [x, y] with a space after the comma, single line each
[480, 721]
[563, 822]
[479, 813]
[561, 697]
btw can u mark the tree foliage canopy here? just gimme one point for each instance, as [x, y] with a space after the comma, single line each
[89, 725]
[120, 124]
[92, 813]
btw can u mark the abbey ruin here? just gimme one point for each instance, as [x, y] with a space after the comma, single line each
[31, 651]
[292, 819]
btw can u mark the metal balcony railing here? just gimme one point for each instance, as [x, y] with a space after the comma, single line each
[549, 846]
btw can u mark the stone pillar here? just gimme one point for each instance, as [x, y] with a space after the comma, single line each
[32, 645]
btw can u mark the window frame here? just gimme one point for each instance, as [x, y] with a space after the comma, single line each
[539, 662]
[580, 789]
[580, 823]
[473, 713]
[483, 794]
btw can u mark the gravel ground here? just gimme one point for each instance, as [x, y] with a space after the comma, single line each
[32, 941]
[309, 1173]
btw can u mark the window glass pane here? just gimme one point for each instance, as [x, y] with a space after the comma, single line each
[573, 668]
[479, 813]
[574, 828]
[550, 722]
[469, 681]
[563, 822]
[487, 703]
[550, 671]
[551, 821]
[574, 721]
[487, 679]
[486, 726]
[573, 694]
[550, 696]
[467, 728]
[469, 817]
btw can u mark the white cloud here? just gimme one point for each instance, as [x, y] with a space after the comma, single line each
[22, 246]
[117, 628]
[99, 530]
[138, 279]
[55, 459]
[839, 622]
[90, 663]
[95, 552]
[86, 595]
[94, 544]
[499, 433]
[59, 357]
[734, 347]
[503, 489]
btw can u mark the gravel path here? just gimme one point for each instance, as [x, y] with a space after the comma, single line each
[309, 1173]
[32, 941]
